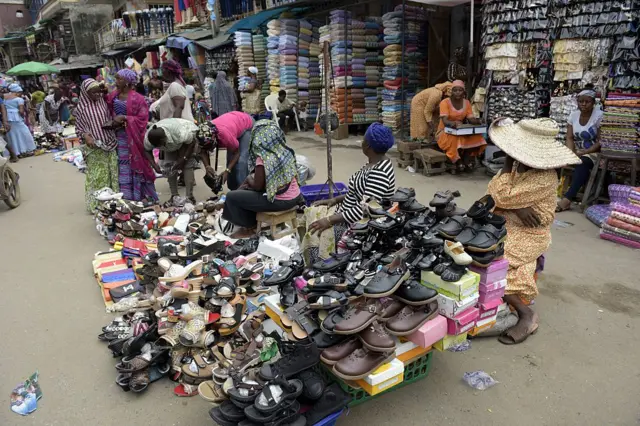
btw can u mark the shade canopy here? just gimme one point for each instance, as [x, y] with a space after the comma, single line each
[32, 68]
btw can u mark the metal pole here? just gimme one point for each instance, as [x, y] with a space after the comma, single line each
[402, 94]
[470, 53]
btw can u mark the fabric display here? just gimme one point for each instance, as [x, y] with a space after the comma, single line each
[512, 102]
[625, 62]
[342, 64]
[260, 58]
[621, 123]
[622, 226]
[288, 52]
[219, 60]
[591, 19]
[273, 61]
[244, 53]
[515, 21]
[502, 57]
[304, 51]
[561, 108]
[373, 42]
[315, 81]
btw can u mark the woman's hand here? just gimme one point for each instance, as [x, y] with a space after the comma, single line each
[179, 165]
[88, 139]
[528, 217]
[319, 226]
[210, 171]
[328, 203]
[457, 124]
[120, 119]
[580, 152]
[225, 176]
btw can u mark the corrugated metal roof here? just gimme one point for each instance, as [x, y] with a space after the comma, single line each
[254, 21]
[214, 43]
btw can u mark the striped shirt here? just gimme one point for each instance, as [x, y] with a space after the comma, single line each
[378, 182]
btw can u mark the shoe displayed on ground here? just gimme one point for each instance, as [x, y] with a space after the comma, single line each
[296, 357]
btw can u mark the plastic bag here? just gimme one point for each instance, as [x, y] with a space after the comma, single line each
[306, 171]
[479, 380]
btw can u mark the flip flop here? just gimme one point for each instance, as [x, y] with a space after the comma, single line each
[507, 339]
[209, 391]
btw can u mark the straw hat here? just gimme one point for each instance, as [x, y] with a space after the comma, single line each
[532, 143]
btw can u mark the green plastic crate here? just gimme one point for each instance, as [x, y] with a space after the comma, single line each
[417, 370]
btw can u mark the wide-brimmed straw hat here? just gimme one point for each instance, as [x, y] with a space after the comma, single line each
[532, 143]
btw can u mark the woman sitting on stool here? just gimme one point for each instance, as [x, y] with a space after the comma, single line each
[272, 185]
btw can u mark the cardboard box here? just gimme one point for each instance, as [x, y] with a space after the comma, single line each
[403, 346]
[450, 308]
[274, 316]
[385, 377]
[489, 296]
[489, 309]
[496, 271]
[487, 320]
[459, 290]
[415, 354]
[493, 286]
[479, 329]
[450, 341]
[431, 332]
[463, 322]
[273, 302]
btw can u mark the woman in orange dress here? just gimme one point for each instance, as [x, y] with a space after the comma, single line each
[454, 112]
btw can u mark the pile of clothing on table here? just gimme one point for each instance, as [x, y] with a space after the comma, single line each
[288, 51]
[189, 308]
[620, 123]
[619, 221]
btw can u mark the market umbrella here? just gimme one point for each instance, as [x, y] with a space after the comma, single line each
[33, 68]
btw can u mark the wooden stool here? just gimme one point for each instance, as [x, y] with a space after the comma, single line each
[433, 162]
[605, 156]
[273, 219]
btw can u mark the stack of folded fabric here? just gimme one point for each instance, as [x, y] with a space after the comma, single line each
[621, 123]
[273, 61]
[341, 58]
[244, 53]
[288, 47]
[260, 58]
[623, 224]
[315, 82]
[304, 51]
[373, 65]
[392, 96]
[359, 45]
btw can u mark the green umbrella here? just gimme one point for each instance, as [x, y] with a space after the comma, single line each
[33, 68]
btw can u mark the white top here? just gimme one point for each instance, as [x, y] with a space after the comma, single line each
[191, 91]
[164, 105]
[585, 136]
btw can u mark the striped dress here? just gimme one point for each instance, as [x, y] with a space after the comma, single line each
[378, 181]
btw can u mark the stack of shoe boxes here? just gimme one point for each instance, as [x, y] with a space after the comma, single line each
[457, 303]
[493, 282]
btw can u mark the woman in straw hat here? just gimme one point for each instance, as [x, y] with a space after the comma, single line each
[423, 107]
[525, 194]
[454, 112]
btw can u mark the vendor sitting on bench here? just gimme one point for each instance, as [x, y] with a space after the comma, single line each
[272, 185]
[454, 112]
[285, 109]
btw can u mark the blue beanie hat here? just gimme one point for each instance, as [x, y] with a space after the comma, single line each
[379, 138]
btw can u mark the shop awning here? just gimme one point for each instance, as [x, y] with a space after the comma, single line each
[178, 42]
[195, 35]
[112, 53]
[254, 21]
[77, 62]
[214, 43]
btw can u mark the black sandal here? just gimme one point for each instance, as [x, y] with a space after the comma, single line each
[266, 402]
[328, 300]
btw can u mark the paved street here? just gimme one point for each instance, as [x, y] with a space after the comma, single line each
[580, 369]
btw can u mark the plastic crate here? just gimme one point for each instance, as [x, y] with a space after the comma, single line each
[320, 191]
[417, 370]
[330, 420]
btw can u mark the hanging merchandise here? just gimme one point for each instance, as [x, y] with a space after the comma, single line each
[219, 60]
[341, 60]
[625, 63]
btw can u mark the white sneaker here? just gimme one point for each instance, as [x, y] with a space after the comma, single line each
[107, 194]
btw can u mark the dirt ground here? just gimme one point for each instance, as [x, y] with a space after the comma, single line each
[582, 367]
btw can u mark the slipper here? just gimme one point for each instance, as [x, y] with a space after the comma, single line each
[178, 273]
[328, 300]
[562, 209]
[184, 390]
[210, 391]
[508, 339]
[276, 394]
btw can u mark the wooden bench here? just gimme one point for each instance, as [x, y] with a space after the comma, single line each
[601, 172]
[274, 219]
[431, 162]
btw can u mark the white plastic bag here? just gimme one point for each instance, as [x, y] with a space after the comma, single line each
[306, 171]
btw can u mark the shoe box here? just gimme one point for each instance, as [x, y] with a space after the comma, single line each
[451, 308]
[384, 377]
[467, 286]
[431, 332]
[450, 341]
[496, 271]
[463, 322]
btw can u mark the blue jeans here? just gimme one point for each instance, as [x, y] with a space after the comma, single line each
[580, 177]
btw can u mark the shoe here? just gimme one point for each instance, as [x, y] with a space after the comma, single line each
[428, 242]
[376, 338]
[481, 208]
[332, 355]
[360, 363]
[216, 414]
[333, 399]
[334, 263]
[442, 198]
[387, 280]
[286, 272]
[450, 210]
[324, 340]
[453, 273]
[423, 222]
[457, 253]
[389, 308]
[402, 195]
[487, 239]
[453, 226]
[411, 319]
[296, 357]
[427, 263]
[412, 206]
[468, 233]
[414, 293]
[358, 317]
[442, 263]
[483, 260]
[312, 385]
[334, 317]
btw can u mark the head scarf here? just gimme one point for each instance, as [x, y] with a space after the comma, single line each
[129, 76]
[224, 97]
[379, 138]
[586, 92]
[445, 87]
[91, 115]
[15, 88]
[458, 83]
[174, 68]
[253, 70]
[268, 143]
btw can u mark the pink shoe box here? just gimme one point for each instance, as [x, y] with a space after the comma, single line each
[450, 307]
[463, 322]
[488, 296]
[493, 286]
[496, 271]
[431, 332]
[489, 309]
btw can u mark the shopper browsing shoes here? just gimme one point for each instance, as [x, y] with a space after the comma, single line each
[176, 137]
[525, 195]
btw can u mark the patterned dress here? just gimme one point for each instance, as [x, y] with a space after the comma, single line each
[132, 183]
[535, 189]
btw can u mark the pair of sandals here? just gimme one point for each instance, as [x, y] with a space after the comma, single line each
[136, 373]
[298, 321]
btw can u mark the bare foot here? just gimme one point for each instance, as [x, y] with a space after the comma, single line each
[563, 205]
[526, 326]
[244, 233]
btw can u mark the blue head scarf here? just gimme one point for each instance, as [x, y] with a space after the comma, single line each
[15, 88]
[379, 138]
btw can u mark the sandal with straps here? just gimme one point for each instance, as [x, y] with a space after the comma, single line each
[200, 369]
[275, 395]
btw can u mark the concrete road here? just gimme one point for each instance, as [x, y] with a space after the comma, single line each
[582, 368]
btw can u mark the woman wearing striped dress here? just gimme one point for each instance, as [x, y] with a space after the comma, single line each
[376, 179]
